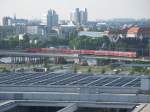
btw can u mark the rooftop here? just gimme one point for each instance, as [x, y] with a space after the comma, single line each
[139, 29]
[68, 79]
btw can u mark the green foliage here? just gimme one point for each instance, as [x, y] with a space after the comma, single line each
[4, 69]
[89, 70]
[75, 42]
[147, 71]
[61, 67]
[9, 43]
[117, 71]
[75, 69]
[46, 63]
[126, 44]
[132, 72]
[142, 70]
[142, 62]
[103, 71]
[14, 43]
[89, 43]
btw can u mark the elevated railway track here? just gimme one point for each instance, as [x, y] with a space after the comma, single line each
[29, 54]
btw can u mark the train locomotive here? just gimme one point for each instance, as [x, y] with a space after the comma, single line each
[83, 52]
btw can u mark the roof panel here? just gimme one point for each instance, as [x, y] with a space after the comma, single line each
[69, 79]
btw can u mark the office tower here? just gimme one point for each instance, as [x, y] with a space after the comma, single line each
[52, 18]
[83, 17]
[7, 21]
[79, 17]
[72, 16]
[86, 16]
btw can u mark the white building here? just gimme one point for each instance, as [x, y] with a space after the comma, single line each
[65, 31]
[92, 34]
[36, 30]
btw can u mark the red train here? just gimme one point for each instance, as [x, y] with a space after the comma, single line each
[86, 52]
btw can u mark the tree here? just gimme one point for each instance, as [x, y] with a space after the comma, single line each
[75, 69]
[5, 70]
[103, 71]
[89, 70]
[61, 67]
[117, 71]
[89, 43]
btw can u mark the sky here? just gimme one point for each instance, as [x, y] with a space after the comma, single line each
[97, 9]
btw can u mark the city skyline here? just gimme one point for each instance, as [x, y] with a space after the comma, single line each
[97, 9]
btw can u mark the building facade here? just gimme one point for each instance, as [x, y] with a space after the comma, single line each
[138, 32]
[7, 21]
[52, 18]
[6, 31]
[79, 17]
[65, 31]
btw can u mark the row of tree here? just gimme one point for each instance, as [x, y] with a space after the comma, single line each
[75, 42]
[89, 43]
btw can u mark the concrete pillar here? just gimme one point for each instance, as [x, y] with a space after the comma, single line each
[30, 60]
[70, 108]
[34, 60]
[23, 59]
[20, 59]
[145, 83]
[15, 60]
[12, 60]
[27, 60]
[39, 60]
[43, 61]
[118, 110]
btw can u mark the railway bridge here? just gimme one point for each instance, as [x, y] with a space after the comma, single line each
[22, 55]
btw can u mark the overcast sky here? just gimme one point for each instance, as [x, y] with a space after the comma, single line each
[97, 9]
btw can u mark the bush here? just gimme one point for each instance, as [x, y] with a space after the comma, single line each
[103, 71]
[5, 70]
[75, 69]
[89, 70]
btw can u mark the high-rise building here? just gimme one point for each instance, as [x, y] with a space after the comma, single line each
[79, 17]
[52, 18]
[7, 21]
[86, 16]
[72, 16]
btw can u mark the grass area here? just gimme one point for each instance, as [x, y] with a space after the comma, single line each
[108, 68]
[94, 69]
[13, 67]
[5, 69]
[79, 69]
